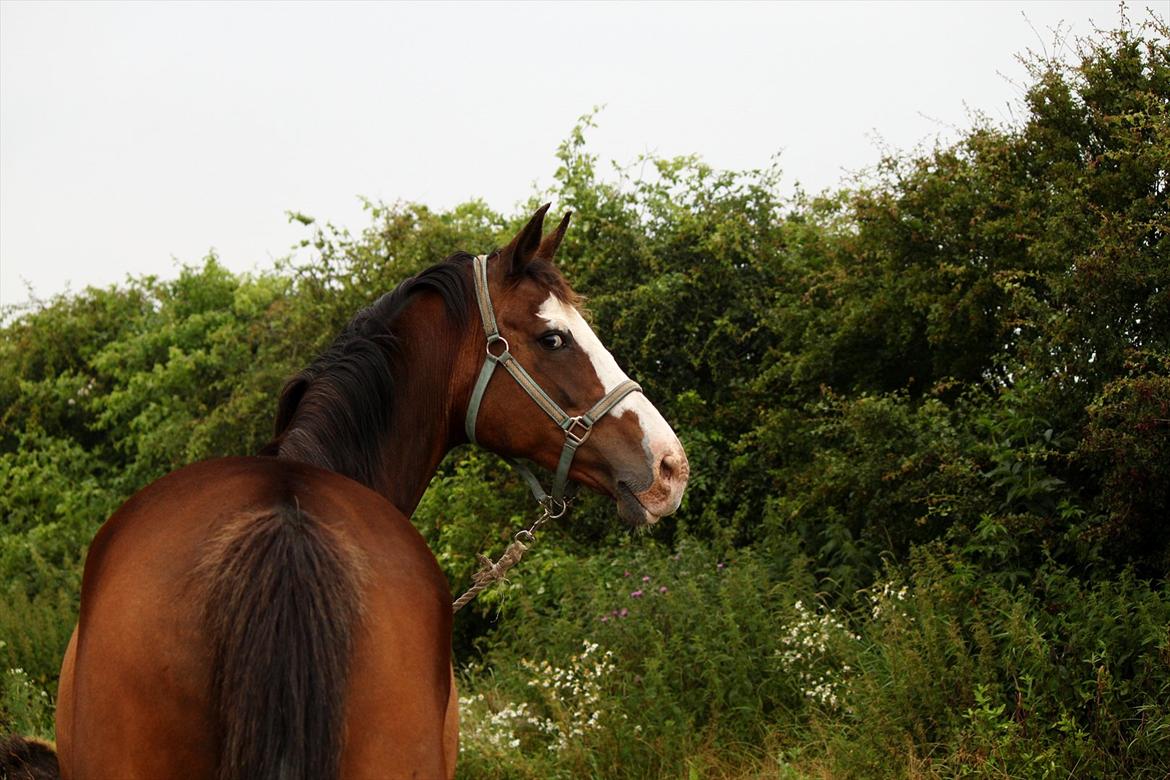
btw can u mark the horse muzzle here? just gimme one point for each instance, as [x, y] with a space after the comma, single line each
[646, 505]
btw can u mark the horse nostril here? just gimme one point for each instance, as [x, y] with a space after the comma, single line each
[668, 467]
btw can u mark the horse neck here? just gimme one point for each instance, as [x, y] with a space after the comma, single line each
[423, 421]
[426, 420]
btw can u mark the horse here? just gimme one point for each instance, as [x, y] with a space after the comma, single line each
[277, 615]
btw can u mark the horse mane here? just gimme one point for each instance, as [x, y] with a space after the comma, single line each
[336, 412]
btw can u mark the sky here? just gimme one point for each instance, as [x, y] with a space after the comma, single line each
[138, 136]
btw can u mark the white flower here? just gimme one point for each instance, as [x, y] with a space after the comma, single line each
[565, 704]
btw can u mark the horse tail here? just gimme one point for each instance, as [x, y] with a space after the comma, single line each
[25, 758]
[282, 605]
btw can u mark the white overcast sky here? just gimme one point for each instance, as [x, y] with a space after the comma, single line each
[134, 136]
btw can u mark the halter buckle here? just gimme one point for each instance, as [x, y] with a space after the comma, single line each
[572, 435]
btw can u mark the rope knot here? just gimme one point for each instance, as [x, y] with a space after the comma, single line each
[490, 572]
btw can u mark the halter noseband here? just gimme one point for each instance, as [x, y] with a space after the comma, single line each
[576, 428]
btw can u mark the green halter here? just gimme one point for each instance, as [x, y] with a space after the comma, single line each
[576, 428]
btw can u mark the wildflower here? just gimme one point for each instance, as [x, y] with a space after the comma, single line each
[568, 707]
[604, 618]
[809, 651]
[626, 573]
[720, 566]
[623, 612]
[636, 594]
[645, 578]
[662, 589]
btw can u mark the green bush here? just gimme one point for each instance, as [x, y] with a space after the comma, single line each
[692, 656]
[34, 633]
[26, 707]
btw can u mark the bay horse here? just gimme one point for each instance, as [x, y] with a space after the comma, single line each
[278, 616]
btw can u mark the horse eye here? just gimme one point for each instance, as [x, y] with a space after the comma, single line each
[552, 341]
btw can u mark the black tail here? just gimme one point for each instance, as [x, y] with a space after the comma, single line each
[281, 606]
[22, 758]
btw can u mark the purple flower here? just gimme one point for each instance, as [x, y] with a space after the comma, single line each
[604, 618]
[623, 612]
[645, 578]
[662, 589]
[636, 594]
[626, 573]
[720, 566]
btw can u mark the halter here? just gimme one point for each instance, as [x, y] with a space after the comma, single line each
[576, 428]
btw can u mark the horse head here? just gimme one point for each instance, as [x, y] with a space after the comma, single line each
[600, 430]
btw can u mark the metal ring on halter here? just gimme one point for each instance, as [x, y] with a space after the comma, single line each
[525, 536]
[550, 502]
[495, 340]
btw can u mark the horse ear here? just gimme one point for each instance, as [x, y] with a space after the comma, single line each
[548, 247]
[526, 243]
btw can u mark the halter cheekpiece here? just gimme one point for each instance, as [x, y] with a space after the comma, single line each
[575, 427]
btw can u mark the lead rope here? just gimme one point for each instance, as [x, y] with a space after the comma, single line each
[490, 573]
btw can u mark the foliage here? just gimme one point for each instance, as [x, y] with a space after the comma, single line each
[928, 419]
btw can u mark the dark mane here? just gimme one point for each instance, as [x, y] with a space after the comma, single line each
[335, 413]
[341, 403]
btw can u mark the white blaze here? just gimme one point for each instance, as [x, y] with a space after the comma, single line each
[657, 436]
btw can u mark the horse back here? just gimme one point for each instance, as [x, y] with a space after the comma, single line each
[232, 610]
